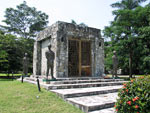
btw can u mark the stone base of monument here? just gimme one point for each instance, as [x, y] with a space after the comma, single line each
[48, 81]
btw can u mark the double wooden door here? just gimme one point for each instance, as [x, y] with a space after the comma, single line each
[79, 58]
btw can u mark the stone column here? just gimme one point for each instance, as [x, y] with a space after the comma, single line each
[37, 58]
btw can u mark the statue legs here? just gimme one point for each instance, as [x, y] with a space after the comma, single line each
[114, 74]
[52, 72]
[25, 70]
[47, 72]
[49, 67]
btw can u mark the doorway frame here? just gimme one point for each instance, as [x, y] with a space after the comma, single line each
[80, 56]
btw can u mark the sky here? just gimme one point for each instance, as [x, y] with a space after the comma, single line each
[94, 13]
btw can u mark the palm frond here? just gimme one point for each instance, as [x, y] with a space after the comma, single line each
[117, 5]
[140, 1]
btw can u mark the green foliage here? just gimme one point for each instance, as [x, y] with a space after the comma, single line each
[127, 4]
[134, 97]
[129, 34]
[73, 22]
[108, 56]
[12, 50]
[25, 21]
[81, 24]
[14, 74]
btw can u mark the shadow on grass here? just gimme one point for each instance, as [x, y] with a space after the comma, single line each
[4, 79]
[125, 78]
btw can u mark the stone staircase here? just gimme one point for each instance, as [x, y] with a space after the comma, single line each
[91, 95]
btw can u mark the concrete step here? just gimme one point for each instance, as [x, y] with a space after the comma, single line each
[75, 80]
[94, 103]
[84, 81]
[108, 110]
[72, 78]
[33, 79]
[83, 85]
[90, 95]
[80, 92]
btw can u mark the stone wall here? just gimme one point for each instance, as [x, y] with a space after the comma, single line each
[46, 36]
[58, 35]
[67, 31]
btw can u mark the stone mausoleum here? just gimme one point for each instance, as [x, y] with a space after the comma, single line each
[79, 51]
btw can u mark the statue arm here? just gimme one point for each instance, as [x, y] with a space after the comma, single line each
[54, 55]
[46, 55]
[23, 61]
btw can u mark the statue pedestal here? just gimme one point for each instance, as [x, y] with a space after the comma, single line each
[48, 81]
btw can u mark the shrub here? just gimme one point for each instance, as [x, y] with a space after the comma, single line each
[134, 97]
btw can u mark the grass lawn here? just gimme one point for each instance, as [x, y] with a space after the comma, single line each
[15, 74]
[5, 74]
[16, 97]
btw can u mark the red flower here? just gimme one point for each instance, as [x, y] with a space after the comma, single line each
[137, 112]
[134, 99]
[131, 80]
[122, 91]
[126, 90]
[125, 84]
[137, 98]
[116, 109]
[136, 107]
[124, 87]
[129, 102]
[114, 105]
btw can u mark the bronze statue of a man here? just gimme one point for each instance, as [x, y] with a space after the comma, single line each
[50, 55]
[25, 64]
[115, 64]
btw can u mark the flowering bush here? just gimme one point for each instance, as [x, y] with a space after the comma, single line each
[134, 97]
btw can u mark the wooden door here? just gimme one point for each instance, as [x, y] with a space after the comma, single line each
[85, 58]
[73, 58]
[79, 58]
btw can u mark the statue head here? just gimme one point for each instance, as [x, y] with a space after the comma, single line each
[26, 54]
[49, 46]
[114, 52]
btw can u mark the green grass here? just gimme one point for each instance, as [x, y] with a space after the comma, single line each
[125, 76]
[17, 97]
[5, 74]
[15, 74]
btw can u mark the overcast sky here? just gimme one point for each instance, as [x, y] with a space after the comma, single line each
[94, 13]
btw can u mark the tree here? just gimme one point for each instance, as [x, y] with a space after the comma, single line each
[73, 22]
[81, 24]
[25, 21]
[127, 4]
[12, 51]
[142, 28]
[121, 30]
[3, 53]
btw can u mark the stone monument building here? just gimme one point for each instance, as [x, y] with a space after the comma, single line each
[79, 51]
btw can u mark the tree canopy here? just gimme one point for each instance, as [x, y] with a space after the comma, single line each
[16, 39]
[25, 21]
[82, 24]
[12, 50]
[127, 33]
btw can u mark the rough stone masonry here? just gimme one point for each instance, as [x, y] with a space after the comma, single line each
[59, 35]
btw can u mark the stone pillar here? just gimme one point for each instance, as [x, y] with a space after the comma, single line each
[37, 58]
